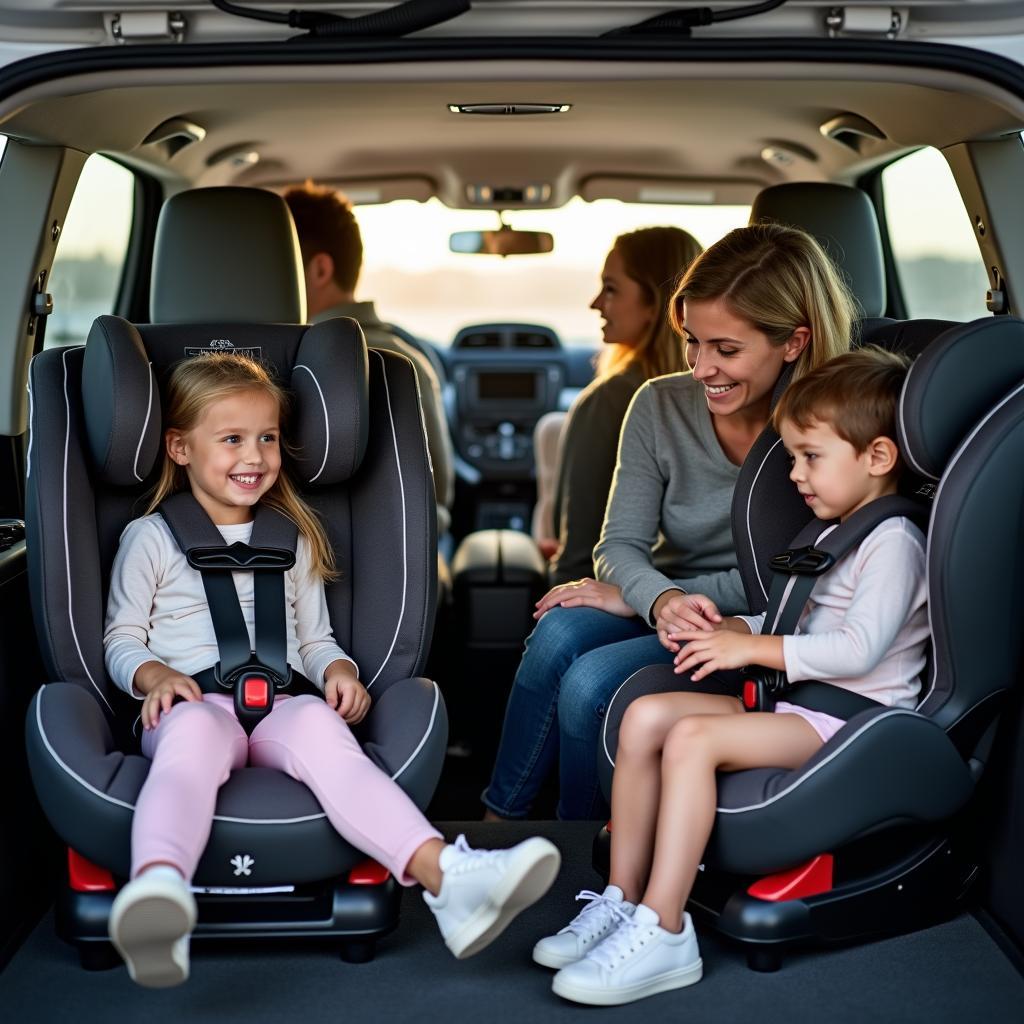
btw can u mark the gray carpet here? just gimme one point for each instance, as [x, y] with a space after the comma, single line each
[953, 972]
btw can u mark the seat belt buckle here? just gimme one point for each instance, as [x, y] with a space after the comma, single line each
[807, 561]
[254, 689]
[761, 687]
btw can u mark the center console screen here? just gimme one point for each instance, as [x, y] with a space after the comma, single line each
[507, 386]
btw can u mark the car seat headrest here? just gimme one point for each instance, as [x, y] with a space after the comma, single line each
[331, 384]
[958, 378]
[121, 402]
[227, 255]
[324, 366]
[843, 220]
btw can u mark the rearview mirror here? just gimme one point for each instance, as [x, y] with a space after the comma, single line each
[503, 242]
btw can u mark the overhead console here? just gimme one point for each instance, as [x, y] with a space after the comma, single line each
[506, 376]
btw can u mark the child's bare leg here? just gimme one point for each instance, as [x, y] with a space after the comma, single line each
[636, 784]
[696, 748]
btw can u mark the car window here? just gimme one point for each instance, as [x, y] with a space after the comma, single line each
[940, 267]
[91, 252]
[422, 286]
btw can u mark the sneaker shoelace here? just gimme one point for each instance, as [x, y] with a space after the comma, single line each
[626, 939]
[586, 919]
[470, 858]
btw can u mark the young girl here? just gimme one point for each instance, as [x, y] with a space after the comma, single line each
[223, 442]
[865, 628]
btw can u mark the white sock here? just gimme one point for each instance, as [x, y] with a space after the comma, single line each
[158, 871]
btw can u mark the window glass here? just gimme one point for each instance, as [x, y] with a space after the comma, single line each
[420, 285]
[3, 144]
[937, 257]
[91, 252]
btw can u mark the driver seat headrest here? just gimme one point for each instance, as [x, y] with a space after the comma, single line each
[843, 221]
[227, 255]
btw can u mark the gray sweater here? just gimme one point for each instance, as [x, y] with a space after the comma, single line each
[667, 524]
[586, 463]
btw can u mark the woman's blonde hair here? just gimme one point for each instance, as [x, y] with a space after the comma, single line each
[194, 385]
[654, 258]
[777, 278]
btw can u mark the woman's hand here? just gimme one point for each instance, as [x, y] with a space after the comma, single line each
[585, 593]
[676, 613]
[725, 649]
[345, 693]
[161, 685]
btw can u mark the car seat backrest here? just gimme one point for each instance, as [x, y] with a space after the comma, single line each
[961, 432]
[96, 439]
[961, 424]
[227, 255]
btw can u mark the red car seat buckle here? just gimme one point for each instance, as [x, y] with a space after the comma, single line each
[809, 879]
[255, 692]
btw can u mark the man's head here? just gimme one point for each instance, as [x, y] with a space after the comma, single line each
[332, 248]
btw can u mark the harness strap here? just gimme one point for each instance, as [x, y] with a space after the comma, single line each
[269, 554]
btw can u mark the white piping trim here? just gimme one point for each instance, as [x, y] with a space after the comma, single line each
[607, 715]
[31, 432]
[903, 427]
[750, 532]
[327, 423]
[67, 546]
[142, 436]
[131, 807]
[821, 764]
[405, 539]
[423, 740]
[935, 501]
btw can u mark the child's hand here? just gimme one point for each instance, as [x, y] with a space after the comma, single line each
[721, 649]
[162, 685]
[676, 613]
[348, 696]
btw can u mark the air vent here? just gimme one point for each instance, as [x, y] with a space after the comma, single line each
[507, 109]
[489, 339]
[533, 340]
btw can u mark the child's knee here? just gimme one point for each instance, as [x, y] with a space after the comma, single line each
[687, 739]
[642, 726]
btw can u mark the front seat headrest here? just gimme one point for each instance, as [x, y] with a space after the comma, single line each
[956, 380]
[843, 220]
[227, 254]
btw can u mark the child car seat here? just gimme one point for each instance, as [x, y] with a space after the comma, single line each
[362, 463]
[872, 834]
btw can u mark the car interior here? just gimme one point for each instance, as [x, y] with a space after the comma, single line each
[141, 220]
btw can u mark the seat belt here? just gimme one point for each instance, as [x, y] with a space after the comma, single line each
[253, 675]
[794, 575]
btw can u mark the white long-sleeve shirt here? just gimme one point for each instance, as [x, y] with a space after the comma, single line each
[865, 625]
[157, 608]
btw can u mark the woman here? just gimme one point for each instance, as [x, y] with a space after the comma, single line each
[762, 298]
[639, 276]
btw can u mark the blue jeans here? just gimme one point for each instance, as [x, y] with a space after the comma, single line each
[575, 659]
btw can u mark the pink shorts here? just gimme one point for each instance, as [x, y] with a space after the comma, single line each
[824, 725]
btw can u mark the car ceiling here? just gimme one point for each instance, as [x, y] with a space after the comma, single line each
[666, 123]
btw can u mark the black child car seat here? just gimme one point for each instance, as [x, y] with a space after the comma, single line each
[362, 463]
[873, 833]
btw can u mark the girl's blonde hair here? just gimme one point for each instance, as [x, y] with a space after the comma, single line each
[777, 278]
[194, 385]
[654, 258]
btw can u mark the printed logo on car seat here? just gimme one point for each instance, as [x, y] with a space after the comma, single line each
[223, 345]
[926, 490]
[242, 863]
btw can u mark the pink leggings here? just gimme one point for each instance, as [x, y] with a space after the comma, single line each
[196, 746]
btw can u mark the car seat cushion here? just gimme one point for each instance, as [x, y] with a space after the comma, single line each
[121, 403]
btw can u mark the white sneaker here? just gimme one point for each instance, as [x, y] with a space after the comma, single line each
[150, 923]
[638, 959]
[604, 913]
[483, 890]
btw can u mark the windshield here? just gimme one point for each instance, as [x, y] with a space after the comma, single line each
[420, 285]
